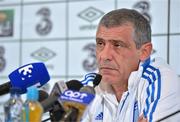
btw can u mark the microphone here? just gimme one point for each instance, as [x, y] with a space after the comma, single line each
[91, 79]
[61, 86]
[74, 85]
[75, 104]
[57, 90]
[26, 76]
[54, 105]
[97, 80]
[74, 108]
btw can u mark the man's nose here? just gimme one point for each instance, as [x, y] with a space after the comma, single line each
[106, 53]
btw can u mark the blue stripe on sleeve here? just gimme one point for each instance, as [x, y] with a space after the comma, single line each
[148, 95]
[151, 92]
[158, 95]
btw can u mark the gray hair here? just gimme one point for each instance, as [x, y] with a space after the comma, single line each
[121, 17]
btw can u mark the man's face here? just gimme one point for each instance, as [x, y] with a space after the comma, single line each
[116, 52]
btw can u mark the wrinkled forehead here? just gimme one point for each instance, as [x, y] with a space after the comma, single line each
[122, 23]
[117, 30]
[125, 24]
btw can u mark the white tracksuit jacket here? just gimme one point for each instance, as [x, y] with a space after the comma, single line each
[153, 90]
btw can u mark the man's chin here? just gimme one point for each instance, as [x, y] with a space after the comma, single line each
[108, 79]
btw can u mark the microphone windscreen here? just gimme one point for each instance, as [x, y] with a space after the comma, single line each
[29, 75]
[5, 88]
[74, 85]
[97, 80]
[91, 79]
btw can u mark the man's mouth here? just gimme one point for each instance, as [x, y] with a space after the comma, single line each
[107, 68]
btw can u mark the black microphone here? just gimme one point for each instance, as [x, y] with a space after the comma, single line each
[26, 76]
[94, 79]
[97, 80]
[91, 79]
[5, 88]
[74, 85]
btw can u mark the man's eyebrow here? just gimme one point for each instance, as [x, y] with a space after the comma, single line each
[114, 41]
[111, 40]
[99, 39]
[119, 41]
[126, 44]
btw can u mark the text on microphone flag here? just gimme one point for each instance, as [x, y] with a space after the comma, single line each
[75, 96]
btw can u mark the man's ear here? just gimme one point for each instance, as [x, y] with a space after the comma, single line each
[145, 51]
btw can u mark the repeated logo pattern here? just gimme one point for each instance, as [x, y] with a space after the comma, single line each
[90, 14]
[44, 27]
[43, 54]
[90, 64]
